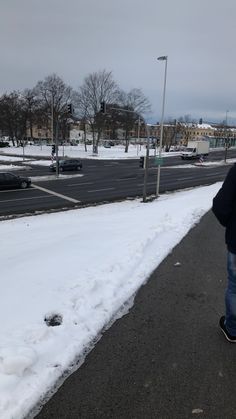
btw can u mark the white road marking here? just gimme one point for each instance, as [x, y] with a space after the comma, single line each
[110, 164]
[67, 198]
[149, 183]
[186, 178]
[130, 178]
[81, 183]
[16, 190]
[100, 190]
[25, 199]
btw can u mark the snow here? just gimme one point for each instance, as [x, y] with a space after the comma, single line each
[40, 163]
[10, 167]
[83, 265]
[53, 177]
[12, 158]
[197, 164]
[205, 126]
[115, 152]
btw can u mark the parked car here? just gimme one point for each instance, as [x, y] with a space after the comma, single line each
[107, 145]
[67, 164]
[4, 144]
[9, 180]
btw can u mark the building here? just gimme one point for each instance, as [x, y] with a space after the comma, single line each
[191, 131]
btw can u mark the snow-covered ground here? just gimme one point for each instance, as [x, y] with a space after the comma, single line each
[10, 167]
[11, 158]
[116, 152]
[84, 266]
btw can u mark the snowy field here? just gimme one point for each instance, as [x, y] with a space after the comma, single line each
[116, 152]
[83, 266]
[11, 158]
[10, 167]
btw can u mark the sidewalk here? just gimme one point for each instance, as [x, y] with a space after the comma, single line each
[167, 358]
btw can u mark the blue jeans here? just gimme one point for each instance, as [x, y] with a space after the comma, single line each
[230, 295]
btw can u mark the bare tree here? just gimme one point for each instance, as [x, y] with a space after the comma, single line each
[54, 96]
[31, 106]
[97, 87]
[13, 116]
[185, 119]
[135, 103]
[170, 132]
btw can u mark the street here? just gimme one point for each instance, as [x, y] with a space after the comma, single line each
[105, 181]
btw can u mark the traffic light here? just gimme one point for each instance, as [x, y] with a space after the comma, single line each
[53, 149]
[142, 162]
[70, 108]
[103, 107]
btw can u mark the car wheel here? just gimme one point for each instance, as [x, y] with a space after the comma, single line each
[61, 169]
[23, 185]
[78, 167]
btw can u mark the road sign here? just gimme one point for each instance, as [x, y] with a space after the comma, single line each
[159, 161]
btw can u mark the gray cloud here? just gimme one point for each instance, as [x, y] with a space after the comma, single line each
[76, 37]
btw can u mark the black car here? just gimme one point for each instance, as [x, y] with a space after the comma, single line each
[4, 144]
[9, 180]
[68, 164]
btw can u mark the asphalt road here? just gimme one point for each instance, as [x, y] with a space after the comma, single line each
[104, 181]
[166, 359]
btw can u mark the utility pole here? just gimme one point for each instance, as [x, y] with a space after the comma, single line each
[146, 168]
[226, 136]
[138, 133]
[162, 58]
[54, 138]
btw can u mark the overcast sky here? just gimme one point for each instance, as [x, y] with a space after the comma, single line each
[76, 37]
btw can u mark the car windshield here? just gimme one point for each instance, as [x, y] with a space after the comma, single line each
[11, 175]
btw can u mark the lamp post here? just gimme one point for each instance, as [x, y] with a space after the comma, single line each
[226, 135]
[162, 58]
[226, 118]
[138, 133]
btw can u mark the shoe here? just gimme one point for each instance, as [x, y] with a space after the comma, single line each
[229, 337]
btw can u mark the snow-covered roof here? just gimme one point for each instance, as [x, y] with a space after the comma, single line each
[201, 126]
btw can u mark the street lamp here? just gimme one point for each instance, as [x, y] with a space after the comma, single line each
[162, 58]
[226, 118]
[226, 135]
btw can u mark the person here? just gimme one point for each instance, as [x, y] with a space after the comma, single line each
[224, 208]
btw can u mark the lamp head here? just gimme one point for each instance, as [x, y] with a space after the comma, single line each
[162, 58]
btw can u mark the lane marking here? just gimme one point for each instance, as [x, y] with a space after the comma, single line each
[121, 180]
[100, 190]
[25, 199]
[16, 190]
[148, 183]
[186, 178]
[110, 164]
[82, 183]
[67, 198]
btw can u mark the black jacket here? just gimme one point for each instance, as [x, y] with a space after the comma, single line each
[224, 208]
